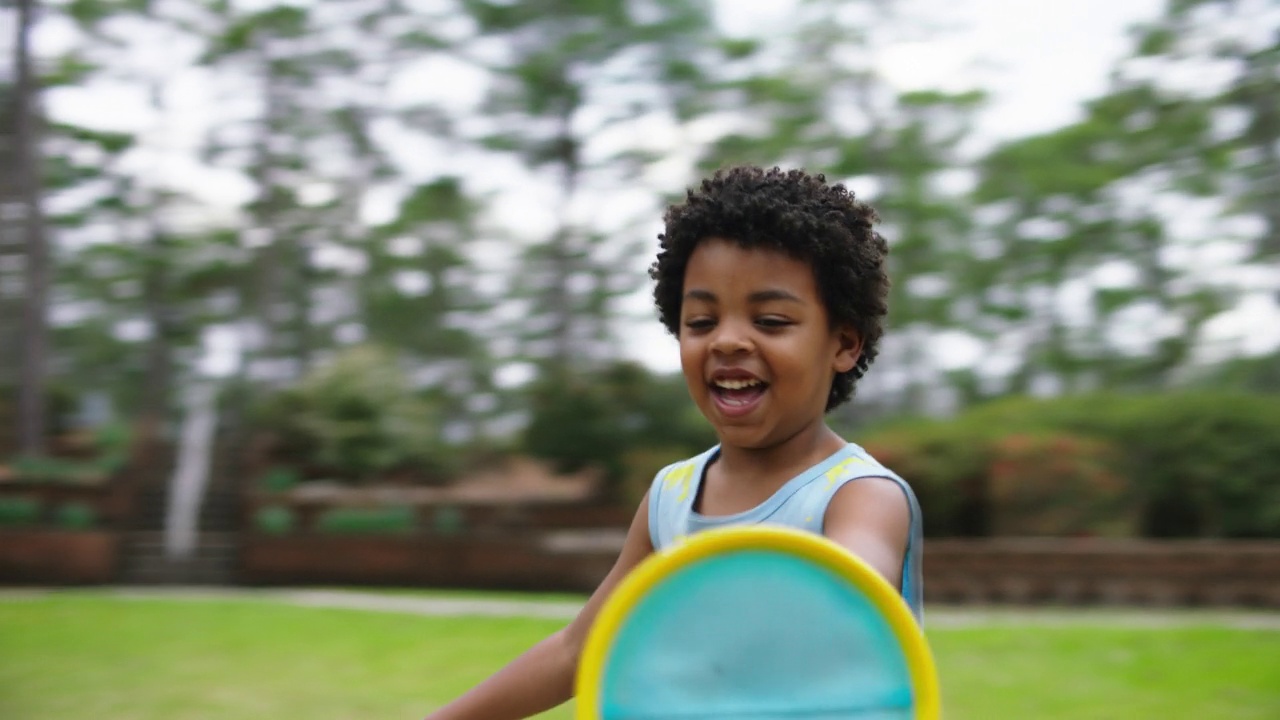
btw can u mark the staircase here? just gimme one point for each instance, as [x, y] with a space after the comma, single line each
[213, 561]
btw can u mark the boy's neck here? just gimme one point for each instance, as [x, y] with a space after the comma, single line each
[780, 462]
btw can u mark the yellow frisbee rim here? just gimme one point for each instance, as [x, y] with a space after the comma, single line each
[809, 546]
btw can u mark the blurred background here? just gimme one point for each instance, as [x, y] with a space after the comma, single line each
[377, 267]
[353, 293]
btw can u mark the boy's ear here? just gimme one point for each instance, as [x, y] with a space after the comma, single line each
[849, 349]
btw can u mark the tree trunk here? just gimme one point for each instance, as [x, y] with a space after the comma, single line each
[158, 368]
[35, 330]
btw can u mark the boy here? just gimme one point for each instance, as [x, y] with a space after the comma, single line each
[774, 284]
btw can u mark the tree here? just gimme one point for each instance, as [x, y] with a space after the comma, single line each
[1238, 153]
[419, 295]
[29, 208]
[811, 97]
[572, 86]
[280, 50]
[1084, 271]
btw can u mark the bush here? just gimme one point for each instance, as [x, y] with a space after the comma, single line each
[946, 465]
[1191, 464]
[1057, 485]
[75, 516]
[448, 520]
[620, 419]
[641, 466]
[395, 519]
[279, 479]
[274, 520]
[1202, 464]
[356, 419]
[60, 470]
[18, 511]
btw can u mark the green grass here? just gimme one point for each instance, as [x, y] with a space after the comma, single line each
[516, 595]
[88, 655]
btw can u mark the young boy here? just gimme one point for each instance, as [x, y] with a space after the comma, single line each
[774, 284]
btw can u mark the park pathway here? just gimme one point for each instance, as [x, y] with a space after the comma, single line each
[450, 605]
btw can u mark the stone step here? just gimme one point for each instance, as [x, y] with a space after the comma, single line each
[212, 562]
[158, 555]
[162, 563]
[215, 515]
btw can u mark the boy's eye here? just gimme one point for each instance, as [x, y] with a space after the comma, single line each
[772, 322]
[699, 323]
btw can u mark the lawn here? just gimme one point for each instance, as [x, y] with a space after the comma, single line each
[91, 655]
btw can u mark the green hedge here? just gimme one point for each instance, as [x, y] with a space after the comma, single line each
[75, 516]
[1176, 465]
[274, 520]
[18, 511]
[394, 519]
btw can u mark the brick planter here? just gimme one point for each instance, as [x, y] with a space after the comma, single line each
[58, 557]
[1087, 571]
[516, 562]
[1015, 571]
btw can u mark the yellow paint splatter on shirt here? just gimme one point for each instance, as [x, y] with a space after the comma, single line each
[835, 473]
[681, 475]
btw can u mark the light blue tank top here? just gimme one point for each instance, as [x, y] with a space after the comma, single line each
[800, 503]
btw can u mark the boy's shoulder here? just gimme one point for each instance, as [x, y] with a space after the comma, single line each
[681, 472]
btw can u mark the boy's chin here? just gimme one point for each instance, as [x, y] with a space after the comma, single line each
[744, 438]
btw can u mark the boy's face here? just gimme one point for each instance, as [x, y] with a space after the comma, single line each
[756, 345]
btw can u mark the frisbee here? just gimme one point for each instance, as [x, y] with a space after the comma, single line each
[756, 623]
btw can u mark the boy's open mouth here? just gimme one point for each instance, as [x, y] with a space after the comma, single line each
[737, 396]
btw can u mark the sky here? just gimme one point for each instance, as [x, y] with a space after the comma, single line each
[1038, 61]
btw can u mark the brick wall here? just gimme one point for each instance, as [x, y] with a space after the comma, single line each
[1031, 572]
[58, 557]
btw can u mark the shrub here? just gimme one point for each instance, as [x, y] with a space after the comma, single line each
[60, 470]
[448, 520]
[1057, 485]
[641, 466]
[1202, 464]
[618, 419]
[279, 479]
[18, 511]
[394, 519]
[75, 516]
[274, 520]
[1193, 464]
[946, 465]
[356, 418]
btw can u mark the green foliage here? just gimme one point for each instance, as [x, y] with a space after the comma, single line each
[274, 520]
[16, 511]
[641, 466]
[279, 479]
[575, 426]
[64, 470]
[356, 417]
[946, 464]
[1201, 463]
[448, 520]
[1058, 484]
[616, 420]
[394, 519]
[75, 516]
[1168, 465]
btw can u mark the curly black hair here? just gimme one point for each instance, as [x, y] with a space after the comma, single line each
[796, 213]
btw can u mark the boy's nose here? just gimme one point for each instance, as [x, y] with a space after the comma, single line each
[730, 339]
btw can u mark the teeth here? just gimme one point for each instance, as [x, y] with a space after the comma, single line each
[736, 384]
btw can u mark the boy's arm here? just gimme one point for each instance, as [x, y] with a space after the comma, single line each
[871, 517]
[543, 676]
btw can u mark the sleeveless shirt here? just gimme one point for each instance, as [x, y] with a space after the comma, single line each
[800, 503]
